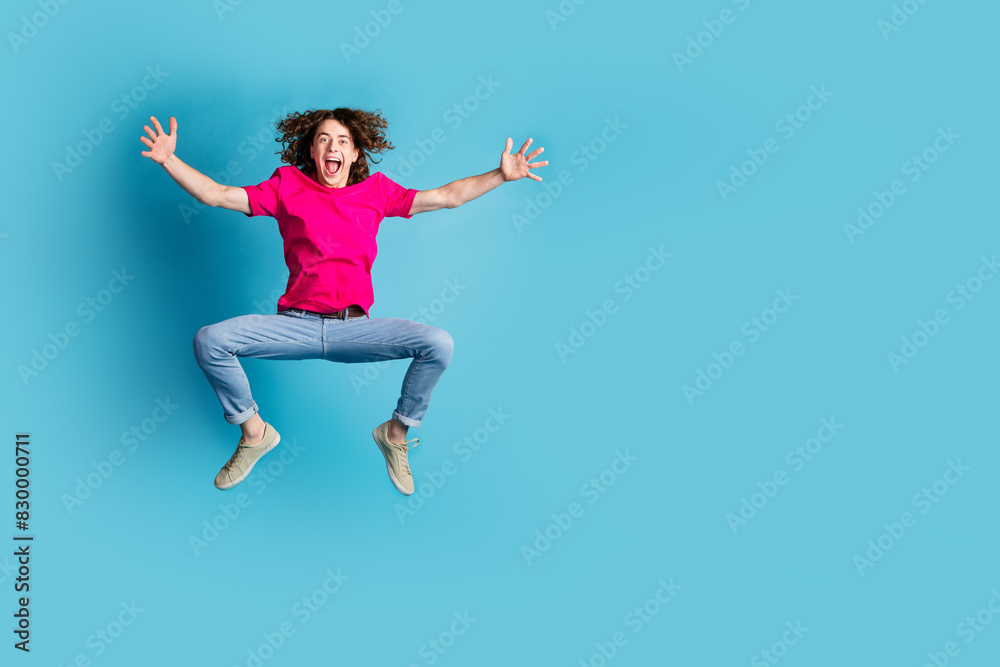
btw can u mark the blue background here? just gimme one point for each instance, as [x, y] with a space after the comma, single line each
[225, 70]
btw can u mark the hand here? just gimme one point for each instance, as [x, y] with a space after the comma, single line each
[517, 165]
[162, 145]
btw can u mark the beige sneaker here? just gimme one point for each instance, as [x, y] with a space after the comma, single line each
[244, 459]
[395, 458]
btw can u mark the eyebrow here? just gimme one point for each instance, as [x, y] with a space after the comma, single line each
[328, 134]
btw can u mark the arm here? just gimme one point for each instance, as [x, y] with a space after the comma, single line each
[198, 185]
[456, 193]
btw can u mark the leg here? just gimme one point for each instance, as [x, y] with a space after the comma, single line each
[280, 336]
[253, 429]
[435, 348]
[397, 431]
[361, 340]
[216, 347]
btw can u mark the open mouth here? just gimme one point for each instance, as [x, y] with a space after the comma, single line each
[332, 166]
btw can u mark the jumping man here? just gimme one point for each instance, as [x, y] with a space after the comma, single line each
[328, 208]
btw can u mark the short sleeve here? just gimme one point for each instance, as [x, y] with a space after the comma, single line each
[264, 196]
[398, 200]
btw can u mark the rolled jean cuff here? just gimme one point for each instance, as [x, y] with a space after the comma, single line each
[243, 416]
[407, 421]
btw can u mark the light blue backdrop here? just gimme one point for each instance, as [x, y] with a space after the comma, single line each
[701, 409]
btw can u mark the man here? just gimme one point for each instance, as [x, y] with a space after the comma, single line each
[328, 210]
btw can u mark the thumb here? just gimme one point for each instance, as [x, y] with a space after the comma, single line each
[173, 125]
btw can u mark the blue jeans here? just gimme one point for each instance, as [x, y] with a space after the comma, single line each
[294, 334]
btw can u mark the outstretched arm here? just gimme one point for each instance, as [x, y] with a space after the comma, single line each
[198, 185]
[456, 193]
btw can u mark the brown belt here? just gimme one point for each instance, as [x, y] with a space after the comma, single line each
[350, 312]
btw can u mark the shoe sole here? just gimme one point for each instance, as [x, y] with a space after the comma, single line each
[388, 469]
[250, 469]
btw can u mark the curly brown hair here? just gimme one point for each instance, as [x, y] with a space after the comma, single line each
[367, 129]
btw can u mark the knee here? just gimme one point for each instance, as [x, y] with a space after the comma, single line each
[205, 341]
[443, 346]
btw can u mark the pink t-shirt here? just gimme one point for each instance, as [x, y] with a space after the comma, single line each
[329, 234]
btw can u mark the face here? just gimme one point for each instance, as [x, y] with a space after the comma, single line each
[333, 151]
